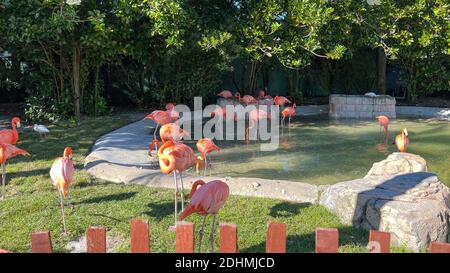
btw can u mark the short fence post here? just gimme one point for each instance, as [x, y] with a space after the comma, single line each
[140, 237]
[438, 247]
[276, 238]
[41, 242]
[327, 240]
[228, 238]
[379, 242]
[96, 239]
[184, 237]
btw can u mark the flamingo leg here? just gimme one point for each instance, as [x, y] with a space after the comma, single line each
[62, 210]
[200, 234]
[211, 236]
[182, 191]
[176, 196]
[3, 180]
[206, 164]
[289, 122]
[156, 129]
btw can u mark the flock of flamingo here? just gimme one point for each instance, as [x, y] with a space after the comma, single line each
[174, 157]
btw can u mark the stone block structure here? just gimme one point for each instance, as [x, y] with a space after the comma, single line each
[361, 107]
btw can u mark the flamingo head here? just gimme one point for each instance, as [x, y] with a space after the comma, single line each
[68, 152]
[405, 132]
[16, 121]
[294, 105]
[170, 106]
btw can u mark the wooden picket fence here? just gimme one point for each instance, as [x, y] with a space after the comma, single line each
[326, 239]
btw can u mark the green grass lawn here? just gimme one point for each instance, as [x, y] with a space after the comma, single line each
[32, 204]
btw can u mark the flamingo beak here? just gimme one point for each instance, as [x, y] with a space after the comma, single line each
[18, 124]
[406, 132]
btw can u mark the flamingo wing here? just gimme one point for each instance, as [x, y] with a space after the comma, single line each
[7, 136]
[12, 151]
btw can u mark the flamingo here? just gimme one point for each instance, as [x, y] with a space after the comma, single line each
[401, 141]
[169, 131]
[206, 200]
[8, 151]
[61, 175]
[280, 100]
[159, 117]
[226, 94]
[247, 99]
[384, 122]
[255, 116]
[11, 136]
[288, 112]
[262, 95]
[176, 158]
[170, 109]
[205, 146]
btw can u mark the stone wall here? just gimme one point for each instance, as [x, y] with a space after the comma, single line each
[363, 107]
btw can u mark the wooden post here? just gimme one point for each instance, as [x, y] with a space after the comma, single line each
[228, 238]
[140, 238]
[437, 247]
[41, 242]
[96, 239]
[327, 240]
[276, 238]
[379, 242]
[184, 238]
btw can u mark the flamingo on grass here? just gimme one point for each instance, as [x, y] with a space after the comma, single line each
[288, 112]
[61, 175]
[176, 158]
[206, 200]
[11, 136]
[254, 117]
[8, 151]
[402, 141]
[205, 146]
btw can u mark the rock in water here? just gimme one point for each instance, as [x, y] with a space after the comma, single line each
[413, 205]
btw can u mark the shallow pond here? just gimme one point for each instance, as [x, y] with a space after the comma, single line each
[324, 151]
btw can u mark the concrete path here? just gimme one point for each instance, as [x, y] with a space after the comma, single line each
[121, 156]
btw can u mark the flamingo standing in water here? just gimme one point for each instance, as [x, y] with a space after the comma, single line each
[11, 136]
[8, 151]
[206, 200]
[401, 141]
[176, 158]
[288, 112]
[247, 99]
[61, 175]
[226, 94]
[205, 146]
[168, 132]
[384, 122]
[254, 117]
[280, 100]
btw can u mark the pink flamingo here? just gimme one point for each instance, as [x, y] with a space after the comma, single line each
[288, 112]
[205, 146]
[254, 117]
[280, 100]
[8, 151]
[247, 99]
[170, 109]
[384, 122]
[226, 94]
[176, 158]
[159, 117]
[168, 132]
[11, 136]
[262, 95]
[61, 175]
[206, 200]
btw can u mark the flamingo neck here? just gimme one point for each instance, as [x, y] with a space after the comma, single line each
[195, 186]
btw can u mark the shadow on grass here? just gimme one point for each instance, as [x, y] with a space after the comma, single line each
[108, 198]
[287, 209]
[162, 209]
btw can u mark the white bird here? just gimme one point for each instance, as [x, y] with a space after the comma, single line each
[370, 94]
[41, 129]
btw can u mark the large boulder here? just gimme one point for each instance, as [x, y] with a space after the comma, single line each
[413, 206]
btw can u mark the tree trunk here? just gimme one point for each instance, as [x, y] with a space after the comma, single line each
[381, 71]
[76, 59]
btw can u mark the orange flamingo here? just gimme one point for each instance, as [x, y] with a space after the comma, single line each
[205, 146]
[254, 117]
[206, 200]
[8, 151]
[170, 131]
[176, 158]
[61, 175]
[11, 136]
[159, 117]
[384, 122]
[170, 109]
[288, 112]
[247, 99]
[401, 141]
[280, 100]
[226, 94]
